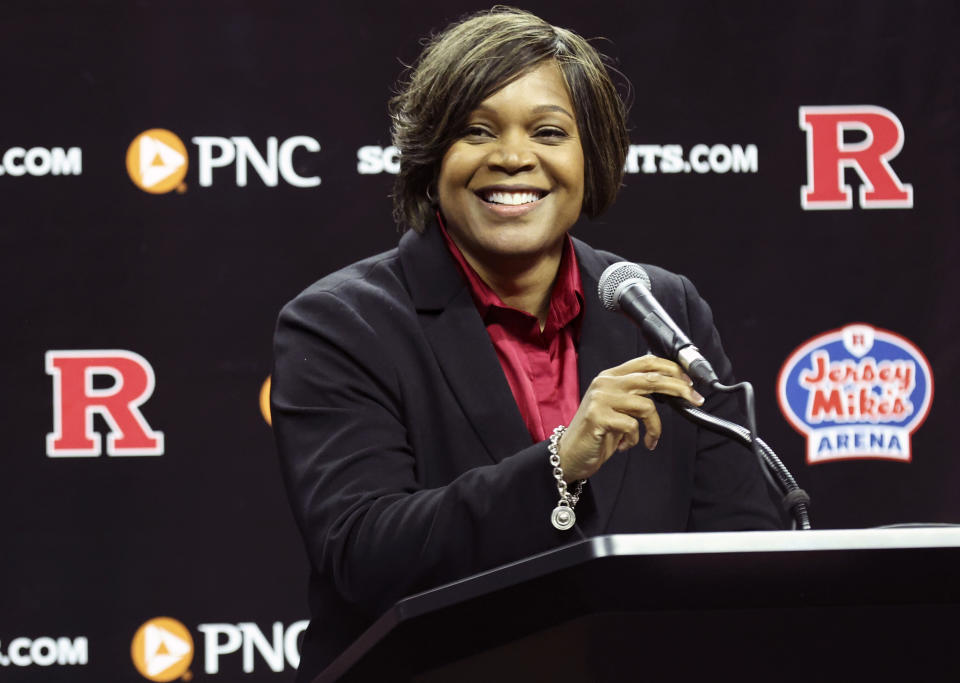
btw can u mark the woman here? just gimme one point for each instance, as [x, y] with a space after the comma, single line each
[419, 395]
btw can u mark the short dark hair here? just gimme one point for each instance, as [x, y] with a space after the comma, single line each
[468, 62]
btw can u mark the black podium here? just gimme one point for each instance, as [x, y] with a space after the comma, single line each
[851, 605]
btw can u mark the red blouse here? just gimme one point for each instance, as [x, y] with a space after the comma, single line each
[540, 366]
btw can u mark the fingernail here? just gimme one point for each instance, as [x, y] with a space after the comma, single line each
[689, 381]
[653, 446]
[697, 398]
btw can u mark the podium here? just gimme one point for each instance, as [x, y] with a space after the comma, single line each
[852, 605]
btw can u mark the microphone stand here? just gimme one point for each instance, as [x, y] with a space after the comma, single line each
[795, 500]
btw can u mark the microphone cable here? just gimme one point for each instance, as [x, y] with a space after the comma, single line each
[795, 500]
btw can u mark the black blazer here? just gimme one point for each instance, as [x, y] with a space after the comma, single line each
[405, 456]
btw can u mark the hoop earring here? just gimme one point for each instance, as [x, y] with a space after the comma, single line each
[430, 197]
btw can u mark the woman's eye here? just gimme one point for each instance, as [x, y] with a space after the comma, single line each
[476, 131]
[551, 133]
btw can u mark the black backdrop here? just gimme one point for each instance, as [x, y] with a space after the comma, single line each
[192, 279]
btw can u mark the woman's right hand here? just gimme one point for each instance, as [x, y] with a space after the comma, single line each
[609, 416]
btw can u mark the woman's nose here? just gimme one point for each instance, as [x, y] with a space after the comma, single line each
[512, 154]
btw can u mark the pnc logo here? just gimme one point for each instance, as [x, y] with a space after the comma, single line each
[162, 650]
[157, 161]
[265, 401]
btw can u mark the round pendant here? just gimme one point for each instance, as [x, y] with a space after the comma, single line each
[563, 517]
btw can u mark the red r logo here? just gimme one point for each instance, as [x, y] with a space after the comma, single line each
[828, 154]
[76, 400]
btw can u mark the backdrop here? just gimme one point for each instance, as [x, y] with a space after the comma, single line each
[172, 174]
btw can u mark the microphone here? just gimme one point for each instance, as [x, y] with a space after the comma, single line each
[625, 287]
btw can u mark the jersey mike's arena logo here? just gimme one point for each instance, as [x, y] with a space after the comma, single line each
[857, 392]
[157, 161]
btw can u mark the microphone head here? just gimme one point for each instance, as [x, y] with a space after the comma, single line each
[615, 277]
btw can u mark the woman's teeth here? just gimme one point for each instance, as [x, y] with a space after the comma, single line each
[511, 198]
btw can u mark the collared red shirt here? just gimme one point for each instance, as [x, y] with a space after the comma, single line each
[540, 365]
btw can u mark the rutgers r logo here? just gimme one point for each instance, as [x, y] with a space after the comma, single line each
[829, 153]
[76, 400]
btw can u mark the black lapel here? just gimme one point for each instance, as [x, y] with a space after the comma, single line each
[460, 343]
[607, 339]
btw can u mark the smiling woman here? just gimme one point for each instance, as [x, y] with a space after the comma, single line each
[469, 62]
[512, 186]
[432, 404]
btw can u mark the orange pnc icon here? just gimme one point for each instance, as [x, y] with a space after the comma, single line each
[162, 650]
[157, 161]
[265, 401]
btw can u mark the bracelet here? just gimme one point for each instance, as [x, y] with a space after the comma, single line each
[562, 517]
